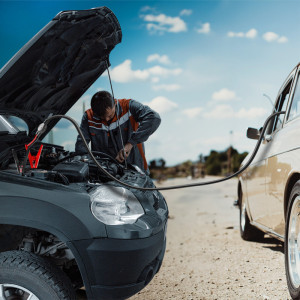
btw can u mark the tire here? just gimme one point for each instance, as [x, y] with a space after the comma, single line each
[24, 275]
[291, 245]
[247, 231]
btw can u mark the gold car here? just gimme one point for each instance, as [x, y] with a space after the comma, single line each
[269, 190]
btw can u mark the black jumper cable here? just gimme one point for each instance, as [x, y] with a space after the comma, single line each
[43, 126]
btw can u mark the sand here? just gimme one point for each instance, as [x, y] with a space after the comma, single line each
[205, 256]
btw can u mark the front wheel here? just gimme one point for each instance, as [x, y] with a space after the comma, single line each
[25, 276]
[292, 243]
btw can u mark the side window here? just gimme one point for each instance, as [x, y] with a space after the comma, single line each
[295, 107]
[281, 105]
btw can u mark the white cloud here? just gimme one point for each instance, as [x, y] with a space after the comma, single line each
[274, 37]
[226, 112]
[164, 23]
[155, 79]
[220, 112]
[164, 72]
[282, 39]
[162, 104]
[100, 89]
[252, 113]
[186, 12]
[166, 87]
[235, 34]
[155, 28]
[146, 8]
[224, 95]
[270, 36]
[193, 112]
[251, 34]
[205, 28]
[124, 73]
[163, 59]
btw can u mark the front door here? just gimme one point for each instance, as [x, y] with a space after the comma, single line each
[277, 168]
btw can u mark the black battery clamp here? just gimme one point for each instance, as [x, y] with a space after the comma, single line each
[43, 127]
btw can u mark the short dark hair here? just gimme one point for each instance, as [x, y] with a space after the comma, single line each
[100, 102]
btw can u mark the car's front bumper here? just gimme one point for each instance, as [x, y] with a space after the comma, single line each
[118, 269]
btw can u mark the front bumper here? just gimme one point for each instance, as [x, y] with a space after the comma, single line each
[118, 269]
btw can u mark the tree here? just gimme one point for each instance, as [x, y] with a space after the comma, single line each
[157, 163]
[216, 160]
[162, 163]
[201, 158]
[152, 164]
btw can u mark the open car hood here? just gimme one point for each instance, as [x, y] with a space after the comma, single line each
[54, 69]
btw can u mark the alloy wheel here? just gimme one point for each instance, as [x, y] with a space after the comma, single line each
[15, 292]
[293, 241]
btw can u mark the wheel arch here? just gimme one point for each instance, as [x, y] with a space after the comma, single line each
[288, 189]
[42, 215]
[25, 229]
[47, 217]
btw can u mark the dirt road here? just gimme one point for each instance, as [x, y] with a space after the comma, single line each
[205, 256]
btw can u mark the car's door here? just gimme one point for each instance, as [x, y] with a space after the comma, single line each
[255, 182]
[258, 175]
[277, 165]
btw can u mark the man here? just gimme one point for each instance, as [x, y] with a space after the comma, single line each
[99, 126]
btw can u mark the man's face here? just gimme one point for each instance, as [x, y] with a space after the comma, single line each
[110, 113]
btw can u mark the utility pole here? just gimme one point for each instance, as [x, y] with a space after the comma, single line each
[51, 137]
[229, 152]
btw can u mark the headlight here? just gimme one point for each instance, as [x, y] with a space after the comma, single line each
[115, 205]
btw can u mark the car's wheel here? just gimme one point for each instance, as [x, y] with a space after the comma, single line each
[292, 242]
[248, 232]
[25, 276]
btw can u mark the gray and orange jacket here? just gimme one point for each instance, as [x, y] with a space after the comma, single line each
[137, 122]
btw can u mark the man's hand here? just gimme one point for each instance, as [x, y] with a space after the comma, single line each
[127, 149]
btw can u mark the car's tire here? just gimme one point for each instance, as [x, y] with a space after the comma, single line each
[23, 274]
[247, 231]
[291, 244]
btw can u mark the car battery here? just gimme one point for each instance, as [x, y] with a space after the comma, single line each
[75, 171]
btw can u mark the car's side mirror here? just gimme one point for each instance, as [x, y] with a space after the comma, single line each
[253, 133]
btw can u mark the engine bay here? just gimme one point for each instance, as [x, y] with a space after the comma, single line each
[64, 167]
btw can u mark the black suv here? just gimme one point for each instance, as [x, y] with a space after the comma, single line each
[63, 223]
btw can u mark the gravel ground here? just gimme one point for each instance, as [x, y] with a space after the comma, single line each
[205, 256]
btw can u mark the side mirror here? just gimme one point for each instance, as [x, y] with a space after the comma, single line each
[253, 133]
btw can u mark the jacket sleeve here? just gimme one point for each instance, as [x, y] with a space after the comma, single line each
[84, 127]
[148, 119]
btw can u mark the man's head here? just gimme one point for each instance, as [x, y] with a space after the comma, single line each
[103, 105]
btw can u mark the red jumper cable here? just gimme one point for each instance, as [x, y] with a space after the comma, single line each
[34, 159]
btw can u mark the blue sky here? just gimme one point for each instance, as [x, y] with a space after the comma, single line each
[203, 65]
